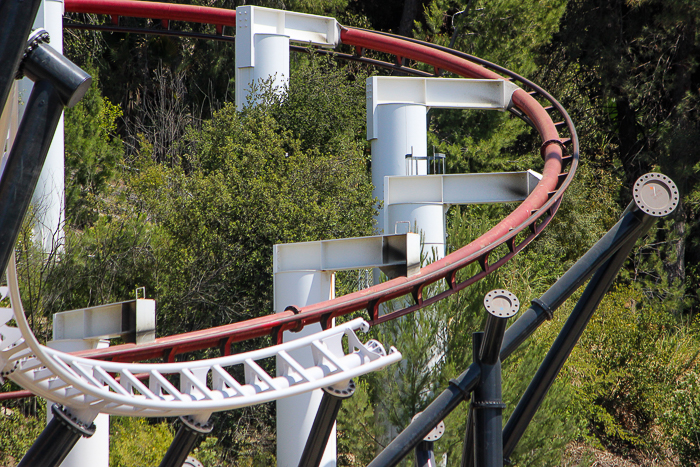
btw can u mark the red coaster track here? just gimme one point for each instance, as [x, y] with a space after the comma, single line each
[529, 218]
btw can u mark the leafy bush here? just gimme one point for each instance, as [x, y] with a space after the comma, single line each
[135, 442]
[17, 434]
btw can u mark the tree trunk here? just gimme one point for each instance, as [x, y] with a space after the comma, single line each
[630, 144]
[674, 263]
[410, 12]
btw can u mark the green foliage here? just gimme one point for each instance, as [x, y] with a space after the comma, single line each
[505, 32]
[251, 183]
[554, 426]
[208, 452]
[629, 69]
[134, 442]
[17, 433]
[318, 7]
[682, 418]
[634, 363]
[92, 153]
[199, 210]
[359, 431]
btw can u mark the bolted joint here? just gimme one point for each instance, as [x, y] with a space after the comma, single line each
[655, 194]
[191, 424]
[436, 433]
[496, 404]
[7, 372]
[342, 390]
[43, 62]
[38, 36]
[500, 305]
[544, 307]
[72, 423]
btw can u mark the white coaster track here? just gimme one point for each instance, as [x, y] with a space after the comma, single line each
[88, 387]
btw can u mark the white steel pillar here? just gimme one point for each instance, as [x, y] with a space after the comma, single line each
[262, 53]
[92, 451]
[400, 129]
[49, 196]
[396, 127]
[295, 415]
[271, 59]
[303, 275]
[262, 45]
[90, 328]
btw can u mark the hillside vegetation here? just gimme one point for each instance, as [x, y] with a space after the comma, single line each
[171, 189]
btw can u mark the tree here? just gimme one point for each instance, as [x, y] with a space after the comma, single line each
[92, 153]
[632, 67]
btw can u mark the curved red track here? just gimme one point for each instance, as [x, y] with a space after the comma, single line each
[530, 217]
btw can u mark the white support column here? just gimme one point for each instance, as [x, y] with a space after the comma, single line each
[90, 328]
[303, 275]
[92, 451]
[262, 45]
[49, 196]
[295, 415]
[9, 123]
[396, 126]
[409, 198]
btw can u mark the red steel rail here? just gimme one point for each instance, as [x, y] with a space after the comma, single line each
[515, 231]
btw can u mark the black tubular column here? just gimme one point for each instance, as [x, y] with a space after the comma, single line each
[184, 441]
[468, 446]
[487, 404]
[59, 83]
[56, 441]
[655, 195]
[326, 415]
[16, 19]
[425, 454]
[629, 227]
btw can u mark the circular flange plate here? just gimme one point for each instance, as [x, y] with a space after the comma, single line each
[655, 194]
[436, 433]
[501, 303]
[342, 390]
[192, 462]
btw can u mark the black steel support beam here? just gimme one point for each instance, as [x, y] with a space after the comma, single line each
[458, 390]
[56, 441]
[59, 84]
[468, 446]
[323, 424]
[183, 442]
[569, 336]
[16, 19]
[487, 408]
[44, 63]
[425, 454]
[24, 164]
[628, 227]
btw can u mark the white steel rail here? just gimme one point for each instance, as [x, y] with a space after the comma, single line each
[198, 388]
